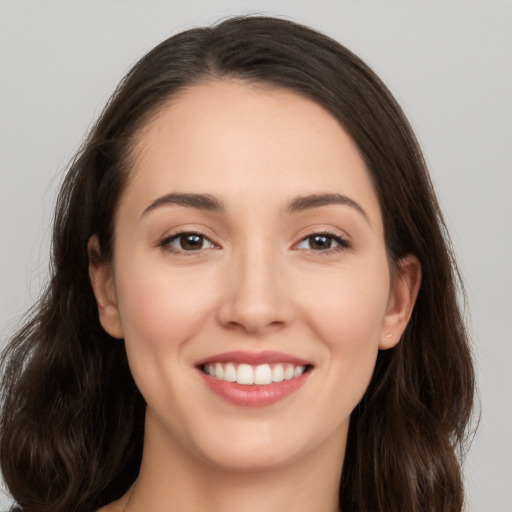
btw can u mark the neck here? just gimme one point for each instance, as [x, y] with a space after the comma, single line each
[172, 480]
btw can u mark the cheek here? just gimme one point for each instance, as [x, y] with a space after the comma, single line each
[346, 315]
[158, 303]
[161, 310]
[349, 307]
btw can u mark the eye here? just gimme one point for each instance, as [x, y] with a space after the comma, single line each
[187, 242]
[322, 242]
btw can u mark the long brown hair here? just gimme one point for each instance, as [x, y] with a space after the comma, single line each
[72, 417]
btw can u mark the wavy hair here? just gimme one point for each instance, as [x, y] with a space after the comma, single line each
[72, 418]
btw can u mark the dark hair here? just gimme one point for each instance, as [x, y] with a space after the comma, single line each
[72, 417]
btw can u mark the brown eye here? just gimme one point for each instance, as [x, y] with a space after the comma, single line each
[187, 242]
[322, 242]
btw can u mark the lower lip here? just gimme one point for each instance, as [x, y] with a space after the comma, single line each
[254, 396]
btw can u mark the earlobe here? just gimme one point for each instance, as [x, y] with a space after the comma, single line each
[101, 276]
[402, 297]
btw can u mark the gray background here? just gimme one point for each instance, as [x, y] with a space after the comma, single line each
[448, 63]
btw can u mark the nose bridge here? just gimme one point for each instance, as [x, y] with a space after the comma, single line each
[255, 298]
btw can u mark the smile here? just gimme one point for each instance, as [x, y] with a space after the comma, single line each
[258, 375]
[254, 379]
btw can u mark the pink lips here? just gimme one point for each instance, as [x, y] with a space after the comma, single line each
[267, 356]
[253, 395]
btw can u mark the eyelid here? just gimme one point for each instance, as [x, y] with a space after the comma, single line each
[164, 243]
[343, 241]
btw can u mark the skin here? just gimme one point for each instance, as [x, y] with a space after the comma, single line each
[257, 284]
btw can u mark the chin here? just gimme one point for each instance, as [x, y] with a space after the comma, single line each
[249, 459]
[259, 447]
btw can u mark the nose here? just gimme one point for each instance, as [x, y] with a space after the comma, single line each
[255, 298]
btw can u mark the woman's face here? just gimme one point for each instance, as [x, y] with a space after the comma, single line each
[249, 245]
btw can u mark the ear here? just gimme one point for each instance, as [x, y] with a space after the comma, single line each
[101, 275]
[402, 297]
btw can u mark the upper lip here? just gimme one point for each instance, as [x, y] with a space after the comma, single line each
[254, 358]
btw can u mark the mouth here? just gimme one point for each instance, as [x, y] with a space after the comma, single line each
[254, 379]
[254, 375]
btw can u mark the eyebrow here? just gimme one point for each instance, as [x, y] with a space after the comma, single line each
[210, 203]
[300, 204]
[199, 201]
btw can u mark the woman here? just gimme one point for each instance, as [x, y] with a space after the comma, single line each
[252, 303]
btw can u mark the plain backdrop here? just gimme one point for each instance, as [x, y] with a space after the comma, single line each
[449, 64]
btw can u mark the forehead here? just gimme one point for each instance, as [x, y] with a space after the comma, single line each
[234, 139]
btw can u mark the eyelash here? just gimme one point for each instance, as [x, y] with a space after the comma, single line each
[165, 243]
[343, 244]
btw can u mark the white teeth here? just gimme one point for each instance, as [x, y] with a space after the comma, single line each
[298, 371]
[229, 373]
[219, 371]
[259, 375]
[245, 374]
[288, 372]
[262, 375]
[278, 373]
